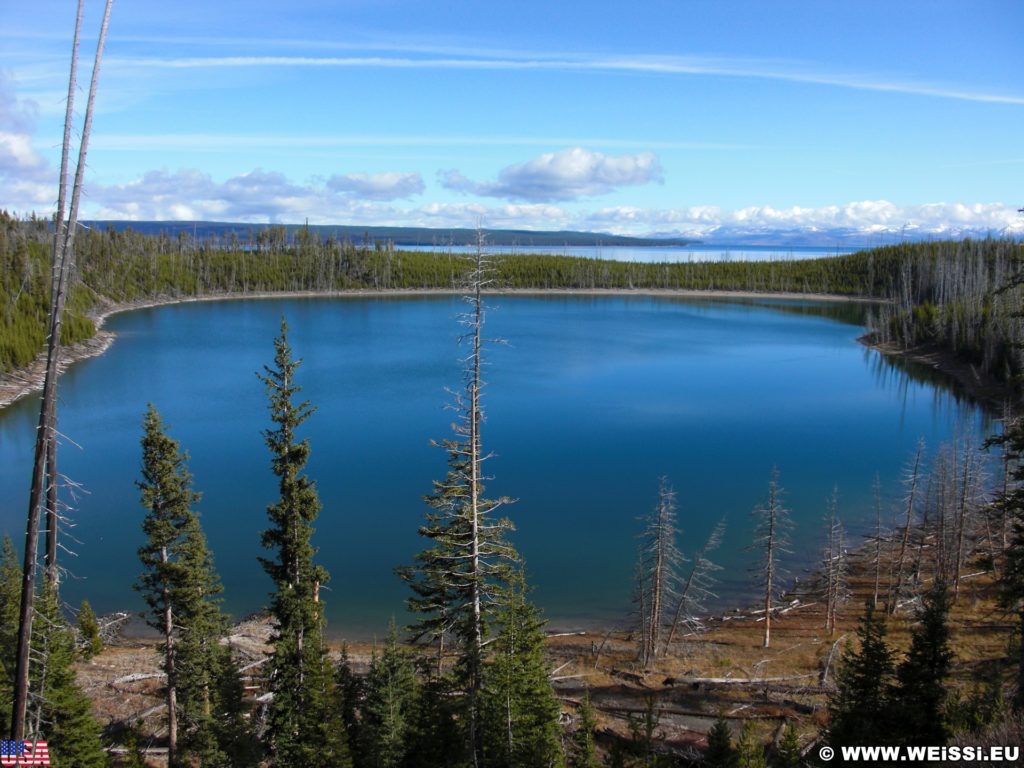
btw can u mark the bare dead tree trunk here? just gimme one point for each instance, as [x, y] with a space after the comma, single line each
[474, 483]
[57, 275]
[907, 524]
[771, 539]
[878, 538]
[46, 416]
[961, 516]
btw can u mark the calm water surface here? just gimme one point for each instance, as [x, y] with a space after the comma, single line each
[591, 400]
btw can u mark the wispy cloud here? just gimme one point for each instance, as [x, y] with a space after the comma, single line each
[763, 69]
[221, 142]
[565, 175]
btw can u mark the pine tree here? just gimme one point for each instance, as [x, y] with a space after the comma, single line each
[860, 711]
[520, 710]
[349, 692]
[168, 497]
[90, 642]
[1011, 505]
[391, 691]
[749, 751]
[460, 579]
[301, 711]
[10, 602]
[919, 696]
[210, 691]
[788, 753]
[721, 753]
[181, 587]
[436, 737]
[582, 747]
[63, 714]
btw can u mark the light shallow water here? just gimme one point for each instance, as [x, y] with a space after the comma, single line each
[592, 400]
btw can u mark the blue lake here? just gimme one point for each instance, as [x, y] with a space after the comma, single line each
[590, 401]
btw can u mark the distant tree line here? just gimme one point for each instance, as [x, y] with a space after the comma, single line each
[959, 295]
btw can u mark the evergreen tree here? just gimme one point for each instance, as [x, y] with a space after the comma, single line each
[88, 631]
[436, 737]
[520, 710]
[303, 725]
[63, 714]
[788, 754]
[460, 580]
[349, 692]
[391, 690]
[582, 748]
[210, 691]
[860, 711]
[721, 753]
[919, 696]
[749, 751]
[181, 588]
[10, 604]
[168, 497]
[1011, 506]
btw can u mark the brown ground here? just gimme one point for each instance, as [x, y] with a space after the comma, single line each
[724, 671]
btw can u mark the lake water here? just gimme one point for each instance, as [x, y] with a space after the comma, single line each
[592, 399]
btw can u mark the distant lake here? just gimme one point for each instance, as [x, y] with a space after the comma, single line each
[592, 399]
[651, 253]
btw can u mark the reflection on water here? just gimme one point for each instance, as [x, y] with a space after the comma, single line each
[948, 396]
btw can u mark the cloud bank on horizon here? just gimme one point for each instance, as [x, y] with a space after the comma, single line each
[859, 133]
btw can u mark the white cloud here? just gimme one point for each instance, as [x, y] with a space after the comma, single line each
[864, 219]
[380, 186]
[26, 178]
[564, 175]
[257, 196]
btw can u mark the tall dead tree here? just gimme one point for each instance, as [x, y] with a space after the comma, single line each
[877, 557]
[834, 564]
[696, 588]
[911, 481]
[57, 278]
[47, 413]
[657, 571]
[461, 580]
[771, 539]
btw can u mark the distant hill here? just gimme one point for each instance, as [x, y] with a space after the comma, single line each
[400, 236]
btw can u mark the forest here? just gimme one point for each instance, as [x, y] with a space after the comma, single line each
[472, 680]
[959, 296]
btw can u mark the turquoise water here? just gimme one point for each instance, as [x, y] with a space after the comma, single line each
[589, 402]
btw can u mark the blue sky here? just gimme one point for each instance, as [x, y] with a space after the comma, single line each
[697, 118]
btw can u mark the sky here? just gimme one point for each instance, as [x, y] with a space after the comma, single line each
[705, 119]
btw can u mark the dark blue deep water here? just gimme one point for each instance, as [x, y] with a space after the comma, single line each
[589, 402]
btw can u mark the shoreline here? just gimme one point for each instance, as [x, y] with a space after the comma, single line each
[985, 390]
[21, 382]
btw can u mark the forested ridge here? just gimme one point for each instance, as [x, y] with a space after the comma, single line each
[956, 294]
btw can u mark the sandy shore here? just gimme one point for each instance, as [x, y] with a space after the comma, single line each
[23, 381]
